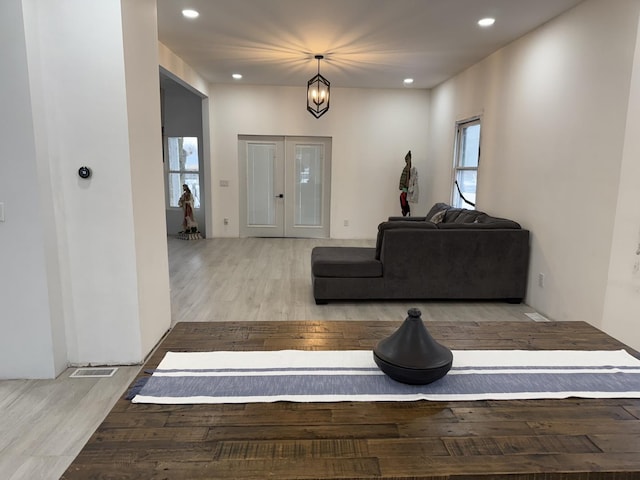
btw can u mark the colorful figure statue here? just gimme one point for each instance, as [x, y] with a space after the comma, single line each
[189, 224]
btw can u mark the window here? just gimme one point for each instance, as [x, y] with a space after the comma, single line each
[467, 158]
[184, 168]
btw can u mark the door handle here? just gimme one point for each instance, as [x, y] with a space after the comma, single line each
[280, 196]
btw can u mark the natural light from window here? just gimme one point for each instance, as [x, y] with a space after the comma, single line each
[467, 159]
[183, 168]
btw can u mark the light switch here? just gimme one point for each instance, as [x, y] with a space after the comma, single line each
[1, 212]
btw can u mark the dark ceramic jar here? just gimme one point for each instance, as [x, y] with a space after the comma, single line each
[411, 355]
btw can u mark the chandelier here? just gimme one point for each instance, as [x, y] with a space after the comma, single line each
[318, 93]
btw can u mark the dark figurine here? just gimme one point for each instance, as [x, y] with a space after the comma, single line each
[405, 179]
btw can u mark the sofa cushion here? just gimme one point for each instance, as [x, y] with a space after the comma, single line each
[394, 225]
[437, 207]
[461, 215]
[353, 262]
[438, 217]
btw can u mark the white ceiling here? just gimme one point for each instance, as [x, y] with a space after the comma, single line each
[366, 43]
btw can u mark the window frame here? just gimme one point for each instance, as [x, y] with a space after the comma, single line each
[181, 172]
[460, 128]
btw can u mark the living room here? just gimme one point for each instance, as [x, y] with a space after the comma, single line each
[558, 107]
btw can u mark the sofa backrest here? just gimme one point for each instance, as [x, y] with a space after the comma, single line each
[447, 217]
[494, 223]
[461, 215]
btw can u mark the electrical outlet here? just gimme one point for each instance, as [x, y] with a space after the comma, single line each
[226, 221]
[541, 280]
[346, 223]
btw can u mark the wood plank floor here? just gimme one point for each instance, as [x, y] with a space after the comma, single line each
[532, 439]
[45, 423]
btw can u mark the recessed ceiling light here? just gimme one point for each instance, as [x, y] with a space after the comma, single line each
[486, 22]
[190, 13]
[236, 76]
[408, 81]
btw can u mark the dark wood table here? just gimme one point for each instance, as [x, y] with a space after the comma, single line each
[524, 439]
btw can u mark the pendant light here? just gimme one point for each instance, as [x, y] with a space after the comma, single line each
[318, 93]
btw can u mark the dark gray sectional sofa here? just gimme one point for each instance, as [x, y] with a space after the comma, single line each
[451, 253]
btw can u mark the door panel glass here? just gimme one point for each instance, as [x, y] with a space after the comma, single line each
[308, 185]
[261, 208]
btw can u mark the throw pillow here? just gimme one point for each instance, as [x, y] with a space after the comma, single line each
[438, 217]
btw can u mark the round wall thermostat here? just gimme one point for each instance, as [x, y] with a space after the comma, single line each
[84, 172]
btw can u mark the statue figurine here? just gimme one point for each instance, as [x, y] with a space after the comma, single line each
[189, 224]
[405, 178]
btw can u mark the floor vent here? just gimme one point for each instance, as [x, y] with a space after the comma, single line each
[92, 372]
[536, 317]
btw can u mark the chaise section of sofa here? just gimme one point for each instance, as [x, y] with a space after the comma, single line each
[462, 254]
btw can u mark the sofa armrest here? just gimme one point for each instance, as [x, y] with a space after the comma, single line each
[395, 225]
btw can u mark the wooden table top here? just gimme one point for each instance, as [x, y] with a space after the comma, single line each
[523, 439]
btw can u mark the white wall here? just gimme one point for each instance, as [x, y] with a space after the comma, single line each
[86, 278]
[140, 39]
[622, 301]
[372, 129]
[29, 348]
[83, 110]
[181, 71]
[554, 106]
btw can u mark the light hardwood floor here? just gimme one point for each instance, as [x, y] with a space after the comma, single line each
[270, 279]
[45, 423]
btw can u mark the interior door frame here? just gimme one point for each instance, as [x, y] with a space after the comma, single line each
[284, 185]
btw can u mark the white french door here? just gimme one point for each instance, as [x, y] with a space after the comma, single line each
[285, 186]
[261, 173]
